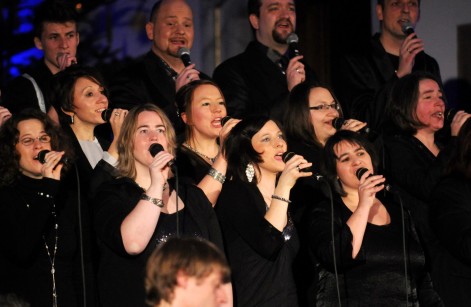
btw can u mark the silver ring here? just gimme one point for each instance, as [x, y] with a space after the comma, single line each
[297, 167]
[116, 113]
[189, 78]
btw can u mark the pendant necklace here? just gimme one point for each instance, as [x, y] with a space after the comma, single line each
[52, 259]
[201, 154]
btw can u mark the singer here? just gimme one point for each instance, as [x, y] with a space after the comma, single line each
[416, 158]
[137, 211]
[253, 212]
[258, 81]
[57, 19]
[158, 75]
[365, 78]
[202, 107]
[363, 221]
[40, 253]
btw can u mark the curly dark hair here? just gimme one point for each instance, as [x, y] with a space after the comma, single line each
[9, 137]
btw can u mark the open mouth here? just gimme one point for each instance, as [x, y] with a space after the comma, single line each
[216, 122]
[178, 41]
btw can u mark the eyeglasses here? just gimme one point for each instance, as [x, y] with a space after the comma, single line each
[325, 107]
[30, 141]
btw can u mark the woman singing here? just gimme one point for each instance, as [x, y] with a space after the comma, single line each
[260, 238]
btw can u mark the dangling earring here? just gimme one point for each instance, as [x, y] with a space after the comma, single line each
[71, 119]
[250, 172]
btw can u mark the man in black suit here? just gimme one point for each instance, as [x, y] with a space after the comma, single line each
[157, 76]
[258, 81]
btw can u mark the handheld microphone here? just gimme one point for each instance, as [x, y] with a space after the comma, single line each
[287, 155]
[155, 148]
[407, 28]
[339, 121]
[106, 115]
[448, 115]
[363, 170]
[184, 54]
[292, 41]
[42, 157]
[224, 120]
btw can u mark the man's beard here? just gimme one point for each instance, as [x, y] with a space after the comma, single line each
[280, 37]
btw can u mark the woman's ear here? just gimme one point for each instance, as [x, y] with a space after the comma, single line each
[184, 118]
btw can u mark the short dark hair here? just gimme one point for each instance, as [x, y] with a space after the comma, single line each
[403, 100]
[381, 2]
[184, 97]
[55, 11]
[193, 257]
[9, 137]
[238, 147]
[253, 7]
[460, 161]
[154, 10]
[329, 159]
[297, 121]
[63, 85]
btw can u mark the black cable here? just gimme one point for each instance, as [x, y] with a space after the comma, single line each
[404, 249]
[82, 257]
[176, 203]
[332, 228]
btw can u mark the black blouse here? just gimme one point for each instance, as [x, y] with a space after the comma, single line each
[260, 256]
[120, 275]
[25, 218]
[376, 276]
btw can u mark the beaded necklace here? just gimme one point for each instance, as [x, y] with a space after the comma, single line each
[52, 259]
[199, 153]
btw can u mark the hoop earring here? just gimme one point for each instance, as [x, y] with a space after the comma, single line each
[250, 172]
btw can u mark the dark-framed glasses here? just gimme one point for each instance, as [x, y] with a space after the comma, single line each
[28, 141]
[325, 107]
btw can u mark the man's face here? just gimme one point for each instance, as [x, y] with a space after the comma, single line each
[207, 291]
[395, 13]
[172, 28]
[57, 39]
[276, 21]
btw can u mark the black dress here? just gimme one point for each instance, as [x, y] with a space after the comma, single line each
[376, 276]
[260, 256]
[25, 218]
[120, 275]
[451, 220]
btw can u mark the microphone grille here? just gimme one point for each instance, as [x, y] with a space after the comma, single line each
[292, 38]
[106, 115]
[155, 148]
[338, 122]
[287, 155]
[360, 172]
[224, 120]
[182, 51]
[407, 27]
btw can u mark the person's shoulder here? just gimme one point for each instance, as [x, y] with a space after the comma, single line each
[237, 60]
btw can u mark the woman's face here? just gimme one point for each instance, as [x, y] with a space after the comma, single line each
[351, 157]
[322, 119]
[89, 102]
[31, 129]
[430, 106]
[207, 110]
[269, 142]
[150, 130]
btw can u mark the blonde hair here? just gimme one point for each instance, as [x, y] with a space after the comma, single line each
[126, 164]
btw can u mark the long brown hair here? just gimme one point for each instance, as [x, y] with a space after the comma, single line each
[126, 166]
